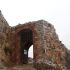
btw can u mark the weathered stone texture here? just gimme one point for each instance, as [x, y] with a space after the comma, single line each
[49, 52]
[3, 28]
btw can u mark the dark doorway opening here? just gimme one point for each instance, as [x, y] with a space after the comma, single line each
[26, 40]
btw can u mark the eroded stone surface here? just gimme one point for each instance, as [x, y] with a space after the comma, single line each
[49, 52]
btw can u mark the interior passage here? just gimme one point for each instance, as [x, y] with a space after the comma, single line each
[25, 42]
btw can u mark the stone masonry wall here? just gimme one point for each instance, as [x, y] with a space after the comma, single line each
[4, 42]
[49, 52]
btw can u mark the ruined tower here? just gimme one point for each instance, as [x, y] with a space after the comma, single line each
[49, 53]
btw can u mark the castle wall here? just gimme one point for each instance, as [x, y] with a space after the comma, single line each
[49, 52]
[46, 45]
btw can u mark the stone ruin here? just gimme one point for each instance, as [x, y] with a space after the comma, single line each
[49, 52]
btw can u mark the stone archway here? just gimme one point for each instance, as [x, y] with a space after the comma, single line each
[26, 40]
[26, 35]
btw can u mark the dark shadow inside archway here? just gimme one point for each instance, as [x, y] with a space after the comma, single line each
[26, 40]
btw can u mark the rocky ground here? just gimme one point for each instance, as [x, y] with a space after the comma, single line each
[28, 66]
[21, 67]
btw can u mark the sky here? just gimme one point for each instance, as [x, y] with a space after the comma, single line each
[57, 12]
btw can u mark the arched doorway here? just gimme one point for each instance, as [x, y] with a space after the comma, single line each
[26, 40]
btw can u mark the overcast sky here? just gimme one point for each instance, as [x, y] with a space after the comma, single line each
[57, 12]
